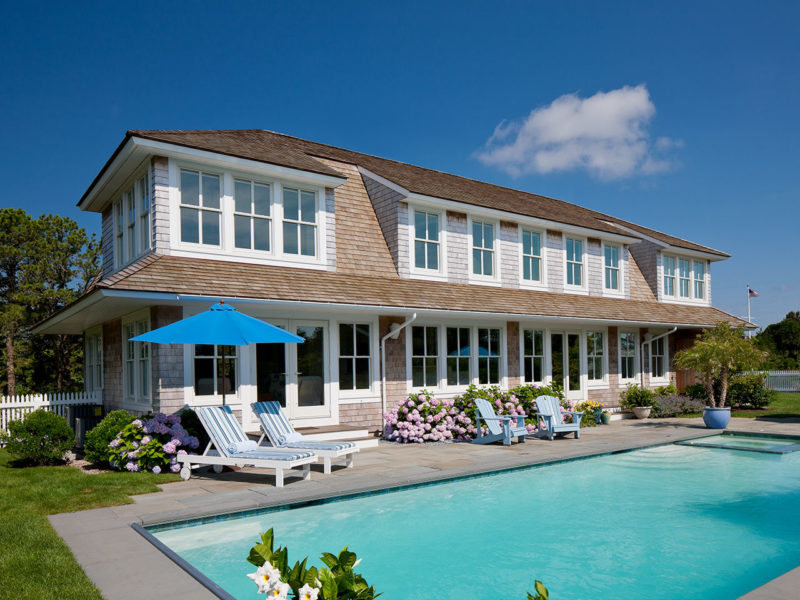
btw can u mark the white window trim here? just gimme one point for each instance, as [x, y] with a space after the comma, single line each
[527, 283]
[494, 279]
[227, 251]
[665, 378]
[677, 298]
[216, 399]
[139, 403]
[409, 354]
[621, 269]
[439, 274]
[695, 280]
[250, 252]
[546, 366]
[635, 377]
[96, 333]
[373, 392]
[584, 287]
[595, 384]
[201, 208]
[118, 211]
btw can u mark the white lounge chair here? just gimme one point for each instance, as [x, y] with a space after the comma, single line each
[276, 426]
[500, 427]
[548, 409]
[232, 447]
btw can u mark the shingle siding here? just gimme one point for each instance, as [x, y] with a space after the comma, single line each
[508, 253]
[107, 239]
[644, 275]
[594, 267]
[458, 248]
[386, 205]
[555, 261]
[166, 363]
[160, 205]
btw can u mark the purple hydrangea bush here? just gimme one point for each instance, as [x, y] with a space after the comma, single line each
[151, 444]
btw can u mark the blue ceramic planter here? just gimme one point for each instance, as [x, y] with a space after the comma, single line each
[716, 418]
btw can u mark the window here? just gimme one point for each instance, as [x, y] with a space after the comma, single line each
[424, 356]
[594, 355]
[136, 361]
[699, 280]
[143, 201]
[118, 235]
[93, 362]
[683, 277]
[482, 249]
[627, 355]
[612, 267]
[130, 223]
[488, 356]
[533, 355]
[299, 222]
[531, 256]
[208, 369]
[458, 356]
[251, 215]
[200, 208]
[426, 240]
[574, 262]
[658, 359]
[354, 357]
[669, 276]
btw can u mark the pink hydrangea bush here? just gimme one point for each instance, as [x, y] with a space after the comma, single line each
[421, 418]
[151, 444]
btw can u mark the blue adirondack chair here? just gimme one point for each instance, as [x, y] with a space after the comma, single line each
[548, 410]
[500, 427]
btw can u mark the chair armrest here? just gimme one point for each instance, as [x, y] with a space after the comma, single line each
[498, 418]
[544, 416]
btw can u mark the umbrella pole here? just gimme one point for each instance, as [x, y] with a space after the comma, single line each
[223, 375]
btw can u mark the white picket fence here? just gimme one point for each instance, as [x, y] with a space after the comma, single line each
[783, 381]
[13, 408]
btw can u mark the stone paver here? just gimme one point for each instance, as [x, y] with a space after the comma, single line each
[114, 556]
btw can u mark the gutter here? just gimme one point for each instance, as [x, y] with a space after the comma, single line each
[394, 333]
[650, 343]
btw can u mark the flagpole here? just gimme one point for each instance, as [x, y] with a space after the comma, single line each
[748, 307]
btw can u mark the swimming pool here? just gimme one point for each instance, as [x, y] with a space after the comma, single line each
[754, 442]
[665, 522]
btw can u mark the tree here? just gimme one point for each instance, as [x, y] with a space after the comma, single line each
[782, 341]
[718, 353]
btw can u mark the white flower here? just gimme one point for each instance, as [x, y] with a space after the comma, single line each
[266, 578]
[355, 564]
[307, 593]
[280, 591]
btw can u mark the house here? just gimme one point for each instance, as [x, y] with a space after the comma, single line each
[399, 278]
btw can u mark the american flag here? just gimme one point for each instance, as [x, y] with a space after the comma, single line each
[752, 293]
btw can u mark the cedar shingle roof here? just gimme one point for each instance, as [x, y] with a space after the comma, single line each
[194, 276]
[288, 151]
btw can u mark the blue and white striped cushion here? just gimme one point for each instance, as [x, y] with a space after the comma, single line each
[267, 455]
[222, 427]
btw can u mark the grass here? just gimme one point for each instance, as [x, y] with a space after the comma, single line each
[35, 562]
[785, 406]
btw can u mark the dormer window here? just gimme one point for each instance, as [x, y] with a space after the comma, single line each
[426, 240]
[482, 249]
[200, 208]
[131, 218]
[611, 268]
[683, 277]
[699, 279]
[669, 276]
[574, 262]
[252, 222]
[531, 256]
[299, 222]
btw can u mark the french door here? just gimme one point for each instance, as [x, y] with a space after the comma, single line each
[296, 375]
[565, 357]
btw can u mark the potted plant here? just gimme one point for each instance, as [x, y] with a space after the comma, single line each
[605, 417]
[637, 399]
[717, 353]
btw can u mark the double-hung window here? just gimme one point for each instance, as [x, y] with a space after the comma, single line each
[119, 240]
[658, 367]
[612, 271]
[143, 201]
[130, 223]
[251, 215]
[488, 356]
[426, 240]
[200, 208]
[595, 356]
[354, 356]
[627, 355]
[458, 356]
[482, 249]
[683, 277]
[699, 280]
[574, 262]
[93, 362]
[424, 356]
[299, 222]
[211, 372]
[669, 276]
[531, 256]
[136, 361]
[533, 355]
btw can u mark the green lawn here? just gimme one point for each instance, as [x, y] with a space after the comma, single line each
[34, 562]
[786, 405]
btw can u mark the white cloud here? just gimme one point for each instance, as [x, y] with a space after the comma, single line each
[605, 134]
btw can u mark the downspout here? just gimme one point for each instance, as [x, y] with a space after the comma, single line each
[394, 333]
[650, 341]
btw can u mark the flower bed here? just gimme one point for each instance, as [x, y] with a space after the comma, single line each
[422, 418]
[152, 444]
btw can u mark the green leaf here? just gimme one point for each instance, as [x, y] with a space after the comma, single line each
[259, 554]
[330, 560]
[330, 590]
[347, 559]
[541, 590]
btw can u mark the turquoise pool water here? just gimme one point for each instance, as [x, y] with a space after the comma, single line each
[757, 443]
[661, 523]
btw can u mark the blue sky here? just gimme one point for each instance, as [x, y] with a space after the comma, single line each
[702, 99]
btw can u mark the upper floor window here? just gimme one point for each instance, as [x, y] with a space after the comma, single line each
[612, 267]
[299, 222]
[119, 235]
[669, 276]
[354, 356]
[531, 256]
[574, 262]
[683, 277]
[426, 240]
[424, 356]
[482, 249]
[130, 222]
[131, 215]
[595, 355]
[658, 358]
[211, 372]
[143, 201]
[488, 356]
[533, 355]
[699, 280]
[627, 355]
[252, 222]
[200, 208]
[458, 356]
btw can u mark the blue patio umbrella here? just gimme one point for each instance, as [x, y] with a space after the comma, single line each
[220, 325]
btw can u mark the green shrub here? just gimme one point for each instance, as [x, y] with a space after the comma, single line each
[191, 423]
[697, 391]
[40, 438]
[634, 395]
[750, 391]
[666, 390]
[95, 448]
